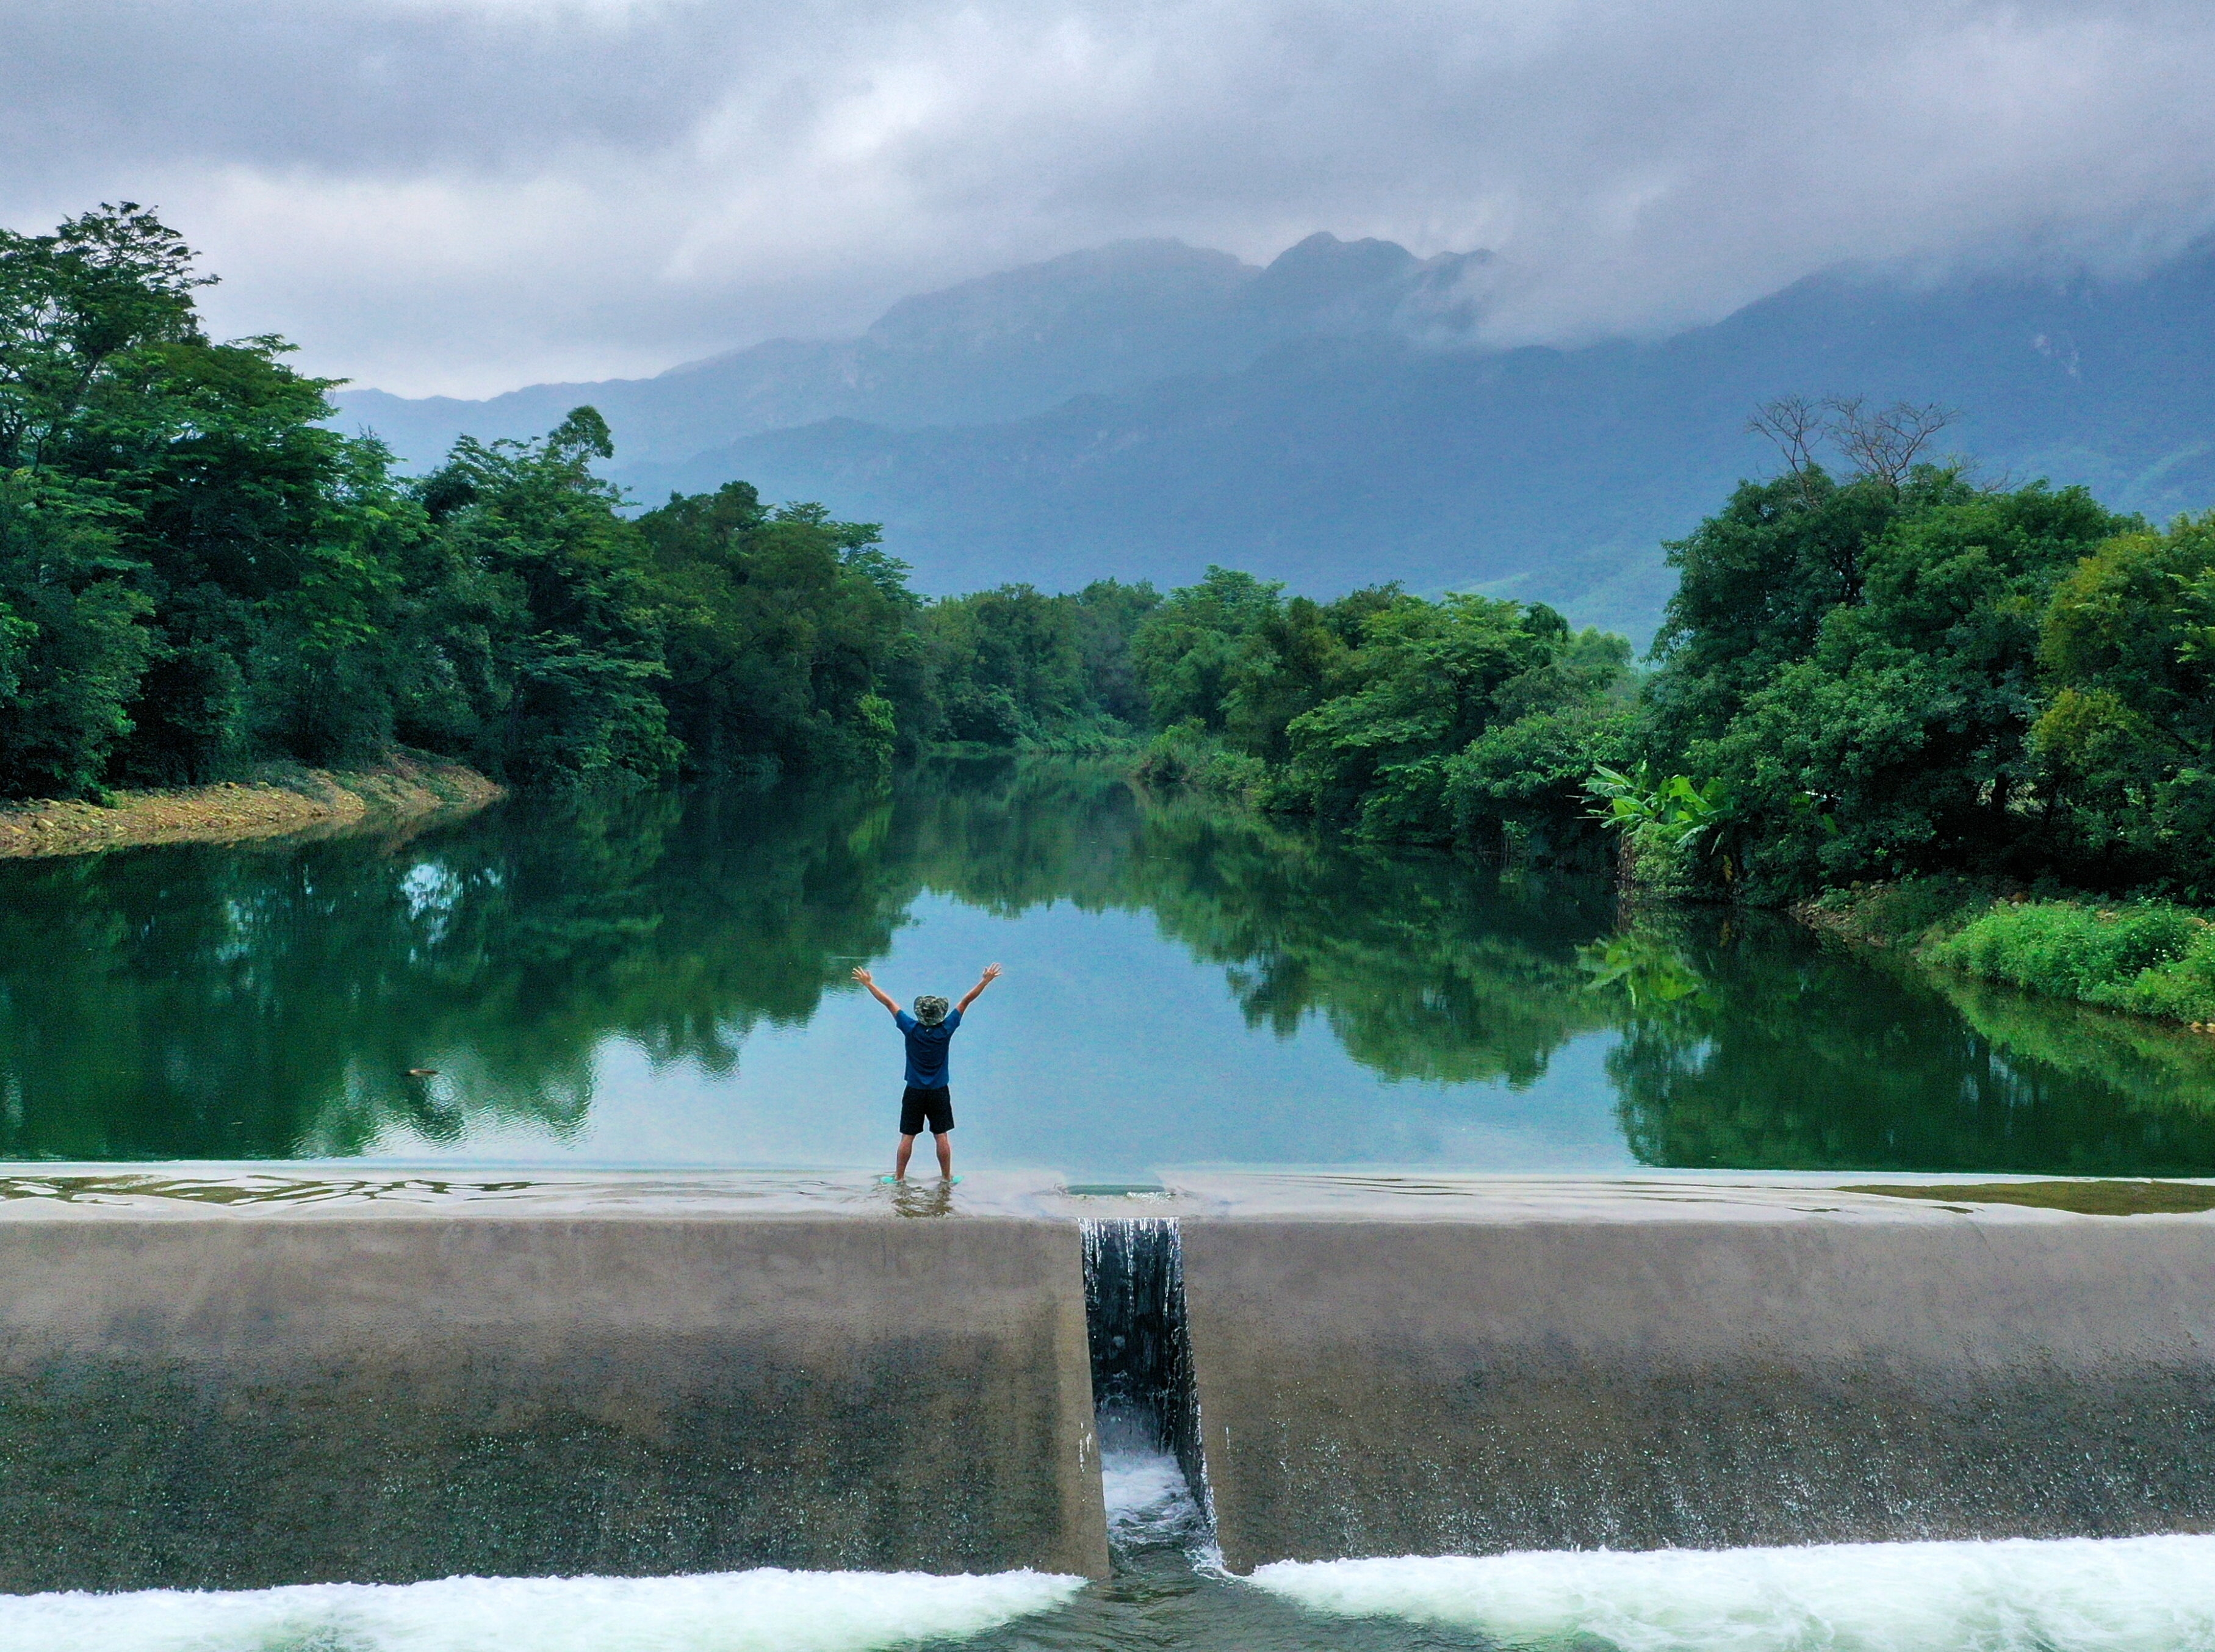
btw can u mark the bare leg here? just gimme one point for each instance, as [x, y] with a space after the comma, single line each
[945, 1140]
[899, 1165]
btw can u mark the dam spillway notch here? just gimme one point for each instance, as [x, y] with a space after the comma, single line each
[1146, 1398]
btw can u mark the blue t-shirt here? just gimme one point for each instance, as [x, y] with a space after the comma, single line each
[926, 1048]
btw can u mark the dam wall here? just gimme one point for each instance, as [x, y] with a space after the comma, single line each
[223, 1402]
[1372, 1388]
[236, 1400]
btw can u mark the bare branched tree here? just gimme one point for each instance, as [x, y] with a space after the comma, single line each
[1795, 425]
[1881, 444]
[1884, 444]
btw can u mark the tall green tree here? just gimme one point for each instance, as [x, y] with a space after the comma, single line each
[1014, 666]
[790, 635]
[1755, 582]
[2126, 738]
[545, 619]
[1425, 682]
[1189, 651]
[74, 640]
[172, 504]
[1895, 738]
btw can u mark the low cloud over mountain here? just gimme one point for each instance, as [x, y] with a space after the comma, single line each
[467, 195]
[1001, 346]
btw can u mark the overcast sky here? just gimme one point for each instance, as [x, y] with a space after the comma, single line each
[465, 195]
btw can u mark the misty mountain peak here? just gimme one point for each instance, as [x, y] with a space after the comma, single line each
[1124, 286]
[1324, 284]
[1322, 269]
[1209, 430]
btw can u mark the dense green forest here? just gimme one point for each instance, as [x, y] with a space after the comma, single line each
[196, 576]
[1891, 671]
[1874, 668]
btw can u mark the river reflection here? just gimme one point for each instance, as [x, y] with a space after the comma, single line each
[1790, 1053]
[661, 979]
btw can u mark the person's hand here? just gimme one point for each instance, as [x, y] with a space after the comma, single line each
[991, 972]
[864, 976]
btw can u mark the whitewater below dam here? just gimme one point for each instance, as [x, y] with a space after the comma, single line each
[2130, 1594]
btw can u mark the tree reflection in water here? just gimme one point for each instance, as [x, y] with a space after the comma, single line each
[1748, 1042]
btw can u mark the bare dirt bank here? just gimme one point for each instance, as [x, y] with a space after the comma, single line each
[281, 801]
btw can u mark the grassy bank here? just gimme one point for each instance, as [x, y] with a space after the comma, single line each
[2143, 957]
[278, 801]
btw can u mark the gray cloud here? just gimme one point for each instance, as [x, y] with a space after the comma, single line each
[464, 194]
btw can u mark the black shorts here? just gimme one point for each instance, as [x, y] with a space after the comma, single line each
[934, 1107]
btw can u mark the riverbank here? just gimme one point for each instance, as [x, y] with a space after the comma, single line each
[279, 801]
[2148, 958]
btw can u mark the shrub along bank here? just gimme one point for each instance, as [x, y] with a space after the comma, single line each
[2146, 957]
[2149, 958]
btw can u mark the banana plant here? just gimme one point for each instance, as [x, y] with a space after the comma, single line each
[1674, 813]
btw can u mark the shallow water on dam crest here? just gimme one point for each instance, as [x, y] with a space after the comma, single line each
[661, 982]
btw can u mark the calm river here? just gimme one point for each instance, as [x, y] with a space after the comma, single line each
[662, 981]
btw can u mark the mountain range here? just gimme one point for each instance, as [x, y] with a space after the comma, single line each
[1145, 408]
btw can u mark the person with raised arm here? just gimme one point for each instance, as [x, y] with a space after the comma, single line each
[928, 1098]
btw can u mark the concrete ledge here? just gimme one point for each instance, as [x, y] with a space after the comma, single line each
[237, 1405]
[1377, 1388]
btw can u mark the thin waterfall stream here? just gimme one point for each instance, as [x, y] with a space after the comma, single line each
[1153, 1476]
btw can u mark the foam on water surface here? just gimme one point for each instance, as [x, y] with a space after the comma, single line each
[1149, 1504]
[2127, 1594]
[767, 1611]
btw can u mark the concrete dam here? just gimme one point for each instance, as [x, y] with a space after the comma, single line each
[634, 1382]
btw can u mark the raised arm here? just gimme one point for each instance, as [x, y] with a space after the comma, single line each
[991, 973]
[879, 992]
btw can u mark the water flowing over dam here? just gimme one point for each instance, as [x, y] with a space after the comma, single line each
[1142, 1368]
[474, 1240]
[245, 1397]
[1437, 1388]
[1335, 1389]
